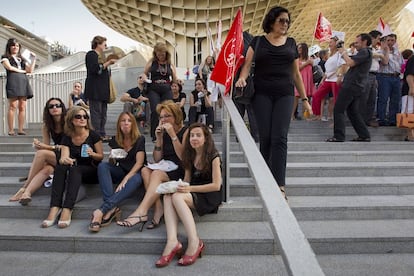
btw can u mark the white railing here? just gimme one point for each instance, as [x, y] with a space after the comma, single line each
[297, 254]
[44, 86]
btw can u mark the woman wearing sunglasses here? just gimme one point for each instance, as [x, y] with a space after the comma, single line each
[44, 161]
[81, 152]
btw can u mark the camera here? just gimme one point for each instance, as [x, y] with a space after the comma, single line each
[339, 44]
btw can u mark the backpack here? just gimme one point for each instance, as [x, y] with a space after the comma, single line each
[317, 73]
[195, 69]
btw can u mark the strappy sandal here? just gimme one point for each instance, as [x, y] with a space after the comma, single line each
[115, 215]
[17, 195]
[140, 223]
[155, 224]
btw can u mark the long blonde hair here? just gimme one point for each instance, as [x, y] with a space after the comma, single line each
[135, 134]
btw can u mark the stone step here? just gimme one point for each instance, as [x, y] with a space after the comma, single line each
[340, 169]
[367, 207]
[237, 209]
[360, 236]
[238, 186]
[221, 238]
[65, 264]
[363, 185]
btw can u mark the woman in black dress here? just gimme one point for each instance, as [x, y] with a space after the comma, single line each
[202, 164]
[18, 89]
[44, 161]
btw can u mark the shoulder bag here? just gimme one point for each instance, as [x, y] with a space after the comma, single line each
[245, 94]
[405, 120]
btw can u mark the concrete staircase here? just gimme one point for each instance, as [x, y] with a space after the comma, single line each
[354, 202]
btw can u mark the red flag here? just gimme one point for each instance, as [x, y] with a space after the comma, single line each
[323, 30]
[230, 53]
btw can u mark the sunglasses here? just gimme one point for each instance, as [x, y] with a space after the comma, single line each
[77, 86]
[51, 106]
[283, 21]
[78, 116]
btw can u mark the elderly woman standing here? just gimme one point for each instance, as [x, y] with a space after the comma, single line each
[161, 72]
[97, 84]
[18, 89]
[277, 71]
[81, 152]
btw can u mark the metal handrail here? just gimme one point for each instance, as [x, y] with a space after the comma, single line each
[297, 254]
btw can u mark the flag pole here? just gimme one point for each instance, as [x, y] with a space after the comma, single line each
[316, 25]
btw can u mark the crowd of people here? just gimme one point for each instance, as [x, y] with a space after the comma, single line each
[71, 154]
[365, 84]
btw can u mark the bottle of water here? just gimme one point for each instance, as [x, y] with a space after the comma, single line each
[199, 102]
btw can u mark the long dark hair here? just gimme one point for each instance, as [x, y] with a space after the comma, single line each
[48, 119]
[305, 51]
[209, 150]
[12, 42]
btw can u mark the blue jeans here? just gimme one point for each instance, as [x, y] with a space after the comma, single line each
[109, 174]
[388, 88]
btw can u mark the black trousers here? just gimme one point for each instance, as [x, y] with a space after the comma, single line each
[193, 115]
[273, 120]
[349, 100]
[157, 93]
[66, 183]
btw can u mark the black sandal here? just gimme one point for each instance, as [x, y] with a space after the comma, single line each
[333, 139]
[155, 224]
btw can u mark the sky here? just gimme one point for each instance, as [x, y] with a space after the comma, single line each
[67, 21]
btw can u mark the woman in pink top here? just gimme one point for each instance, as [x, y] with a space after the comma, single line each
[305, 67]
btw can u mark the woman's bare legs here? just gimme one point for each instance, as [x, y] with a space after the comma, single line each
[10, 114]
[182, 204]
[43, 165]
[171, 224]
[155, 179]
[22, 114]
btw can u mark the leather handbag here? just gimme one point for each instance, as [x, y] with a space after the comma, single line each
[245, 94]
[405, 120]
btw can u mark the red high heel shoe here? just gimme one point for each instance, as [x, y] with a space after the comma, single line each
[166, 260]
[189, 260]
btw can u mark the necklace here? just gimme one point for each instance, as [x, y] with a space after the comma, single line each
[162, 69]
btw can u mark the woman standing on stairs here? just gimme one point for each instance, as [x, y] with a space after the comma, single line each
[81, 152]
[161, 72]
[276, 74]
[18, 89]
[202, 165]
[44, 161]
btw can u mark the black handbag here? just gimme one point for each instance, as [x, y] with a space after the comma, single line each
[245, 94]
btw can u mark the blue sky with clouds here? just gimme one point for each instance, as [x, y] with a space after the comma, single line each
[66, 21]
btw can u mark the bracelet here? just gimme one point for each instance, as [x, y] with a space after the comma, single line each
[157, 148]
[305, 100]
[174, 139]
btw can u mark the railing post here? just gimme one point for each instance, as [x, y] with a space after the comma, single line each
[226, 153]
